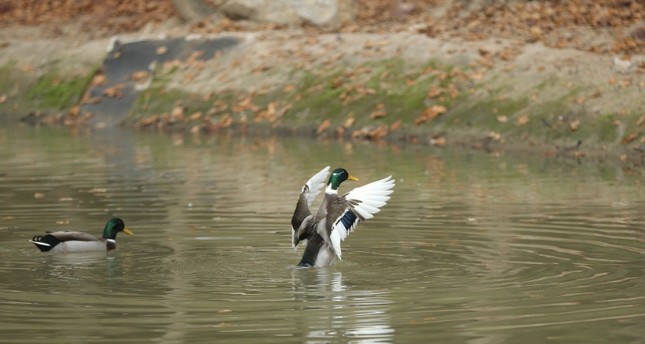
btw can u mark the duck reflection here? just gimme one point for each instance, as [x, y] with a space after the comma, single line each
[333, 308]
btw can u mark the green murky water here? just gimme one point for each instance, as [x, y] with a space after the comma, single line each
[471, 248]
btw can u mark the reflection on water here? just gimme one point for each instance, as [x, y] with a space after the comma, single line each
[360, 315]
[471, 248]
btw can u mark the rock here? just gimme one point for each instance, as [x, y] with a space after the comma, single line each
[191, 10]
[328, 14]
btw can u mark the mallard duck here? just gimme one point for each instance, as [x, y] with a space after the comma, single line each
[337, 215]
[64, 241]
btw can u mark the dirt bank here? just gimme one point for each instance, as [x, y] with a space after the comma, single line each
[505, 93]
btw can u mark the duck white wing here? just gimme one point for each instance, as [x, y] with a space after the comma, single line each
[362, 203]
[315, 184]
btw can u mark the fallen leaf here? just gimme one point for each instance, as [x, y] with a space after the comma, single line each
[323, 126]
[438, 141]
[177, 113]
[495, 136]
[114, 91]
[574, 125]
[225, 121]
[502, 119]
[631, 137]
[349, 121]
[196, 116]
[522, 119]
[99, 80]
[148, 121]
[379, 112]
[139, 75]
[396, 125]
[434, 92]
[640, 121]
[74, 111]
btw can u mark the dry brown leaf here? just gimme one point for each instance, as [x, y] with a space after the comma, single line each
[139, 75]
[114, 91]
[99, 80]
[434, 92]
[574, 125]
[396, 125]
[161, 50]
[502, 119]
[246, 104]
[74, 111]
[225, 121]
[323, 126]
[430, 113]
[522, 119]
[631, 137]
[438, 141]
[148, 121]
[196, 116]
[640, 121]
[177, 113]
[349, 121]
[380, 132]
[378, 112]
[495, 136]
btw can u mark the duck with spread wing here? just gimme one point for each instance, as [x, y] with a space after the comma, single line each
[337, 216]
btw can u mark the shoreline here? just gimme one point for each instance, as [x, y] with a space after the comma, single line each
[394, 86]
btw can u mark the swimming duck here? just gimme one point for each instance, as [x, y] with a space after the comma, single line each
[337, 215]
[64, 241]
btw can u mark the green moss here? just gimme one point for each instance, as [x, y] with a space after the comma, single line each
[8, 77]
[402, 90]
[158, 100]
[55, 92]
[605, 128]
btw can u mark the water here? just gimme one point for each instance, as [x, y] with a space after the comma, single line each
[472, 248]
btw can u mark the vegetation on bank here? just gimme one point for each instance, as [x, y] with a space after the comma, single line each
[431, 104]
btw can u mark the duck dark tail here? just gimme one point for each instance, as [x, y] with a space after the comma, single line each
[45, 242]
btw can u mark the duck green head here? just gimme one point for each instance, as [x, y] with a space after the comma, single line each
[337, 177]
[114, 226]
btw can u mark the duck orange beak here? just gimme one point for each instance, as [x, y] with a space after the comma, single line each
[352, 178]
[127, 231]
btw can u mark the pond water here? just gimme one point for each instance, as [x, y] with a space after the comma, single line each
[471, 248]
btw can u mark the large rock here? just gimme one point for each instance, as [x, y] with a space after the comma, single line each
[328, 14]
